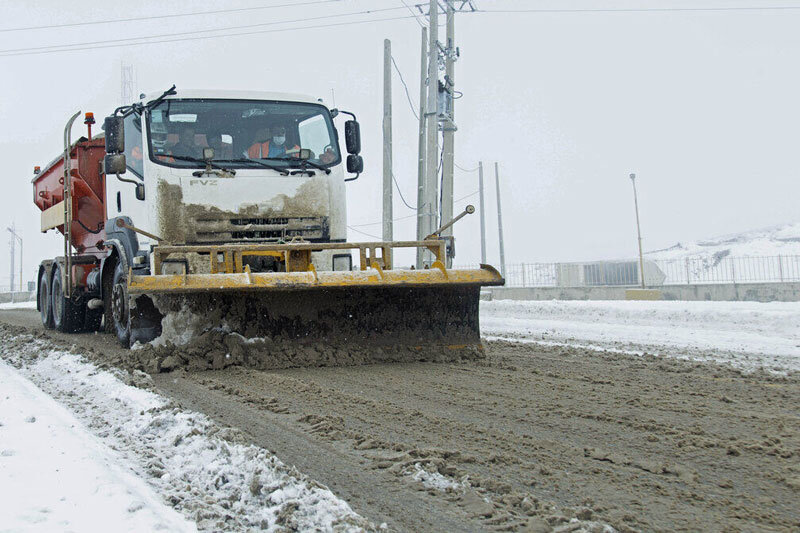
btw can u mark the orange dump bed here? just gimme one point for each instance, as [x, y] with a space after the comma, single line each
[88, 195]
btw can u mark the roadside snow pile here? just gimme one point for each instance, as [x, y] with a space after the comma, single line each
[204, 471]
[778, 240]
[18, 305]
[747, 335]
[51, 470]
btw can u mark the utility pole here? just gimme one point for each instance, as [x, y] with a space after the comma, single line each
[638, 231]
[387, 141]
[432, 129]
[447, 117]
[483, 213]
[421, 149]
[500, 220]
[127, 92]
[15, 235]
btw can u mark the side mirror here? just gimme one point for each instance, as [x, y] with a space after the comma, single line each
[355, 164]
[114, 164]
[115, 134]
[140, 191]
[352, 137]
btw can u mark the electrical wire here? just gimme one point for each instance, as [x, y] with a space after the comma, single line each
[194, 32]
[381, 222]
[642, 9]
[365, 233]
[466, 169]
[175, 15]
[411, 10]
[258, 32]
[465, 197]
[408, 94]
[397, 185]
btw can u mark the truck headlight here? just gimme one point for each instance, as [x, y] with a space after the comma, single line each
[343, 262]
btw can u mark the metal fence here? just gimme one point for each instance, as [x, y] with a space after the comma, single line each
[684, 271]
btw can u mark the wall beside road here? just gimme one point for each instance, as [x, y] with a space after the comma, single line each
[749, 292]
[6, 297]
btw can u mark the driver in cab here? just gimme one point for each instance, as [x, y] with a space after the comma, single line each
[271, 144]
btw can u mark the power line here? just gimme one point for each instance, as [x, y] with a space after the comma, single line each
[466, 169]
[317, 26]
[642, 9]
[408, 95]
[365, 233]
[401, 193]
[411, 10]
[175, 15]
[193, 32]
[467, 196]
[381, 222]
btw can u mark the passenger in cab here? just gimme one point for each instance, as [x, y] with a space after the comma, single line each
[274, 145]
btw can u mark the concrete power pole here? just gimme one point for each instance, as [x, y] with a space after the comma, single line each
[432, 129]
[17, 237]
[483, 213]
[638, 231]
[388, 216]
[11, 245]
[500, 221]
[448, 124]
[127, 92]
[421, 161]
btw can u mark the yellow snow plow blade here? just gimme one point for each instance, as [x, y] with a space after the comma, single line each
[299, 316]
[374, 277]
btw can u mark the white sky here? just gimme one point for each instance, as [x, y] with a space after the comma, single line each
[703, 106]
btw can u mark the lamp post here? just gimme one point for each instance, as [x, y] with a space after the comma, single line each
[638, 230]
[19, 239]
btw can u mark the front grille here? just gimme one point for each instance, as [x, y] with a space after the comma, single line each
[262, 229]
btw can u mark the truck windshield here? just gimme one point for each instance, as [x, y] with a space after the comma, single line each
[240, 131]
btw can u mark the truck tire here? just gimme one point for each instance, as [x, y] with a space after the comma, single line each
[67, 313]
[120, 305]
[45, 309]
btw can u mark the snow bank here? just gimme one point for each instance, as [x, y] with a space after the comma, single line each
[19, 305]
[747, 335]
[56, 476]
[778, 240]
[201, 469]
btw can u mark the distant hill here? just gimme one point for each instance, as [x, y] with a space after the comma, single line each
[776, 240]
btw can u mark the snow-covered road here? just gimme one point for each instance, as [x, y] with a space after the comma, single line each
[56, 476]
[106, 455]
[744, 334]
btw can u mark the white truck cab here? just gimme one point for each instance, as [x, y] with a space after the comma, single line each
[228, 167]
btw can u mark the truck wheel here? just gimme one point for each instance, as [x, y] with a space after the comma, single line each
[45, 309]
[120, 308]
[67, 314]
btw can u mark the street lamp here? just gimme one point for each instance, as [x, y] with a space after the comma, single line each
[15, 235]
[638, 230]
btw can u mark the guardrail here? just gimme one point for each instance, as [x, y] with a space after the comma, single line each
[683, 271]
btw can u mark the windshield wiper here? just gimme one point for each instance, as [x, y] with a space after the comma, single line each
[301, 163]
[257, 162]
[201, 161]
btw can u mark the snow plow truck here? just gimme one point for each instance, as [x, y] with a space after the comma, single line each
[232, 205]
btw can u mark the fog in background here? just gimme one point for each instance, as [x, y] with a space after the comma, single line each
[703, 106]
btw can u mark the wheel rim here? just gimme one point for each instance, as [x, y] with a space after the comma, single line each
[119, 304]
[57, 298]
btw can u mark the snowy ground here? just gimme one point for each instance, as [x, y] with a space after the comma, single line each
[19, 305]
[747, 335]
[56, 476]
[52, 469]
